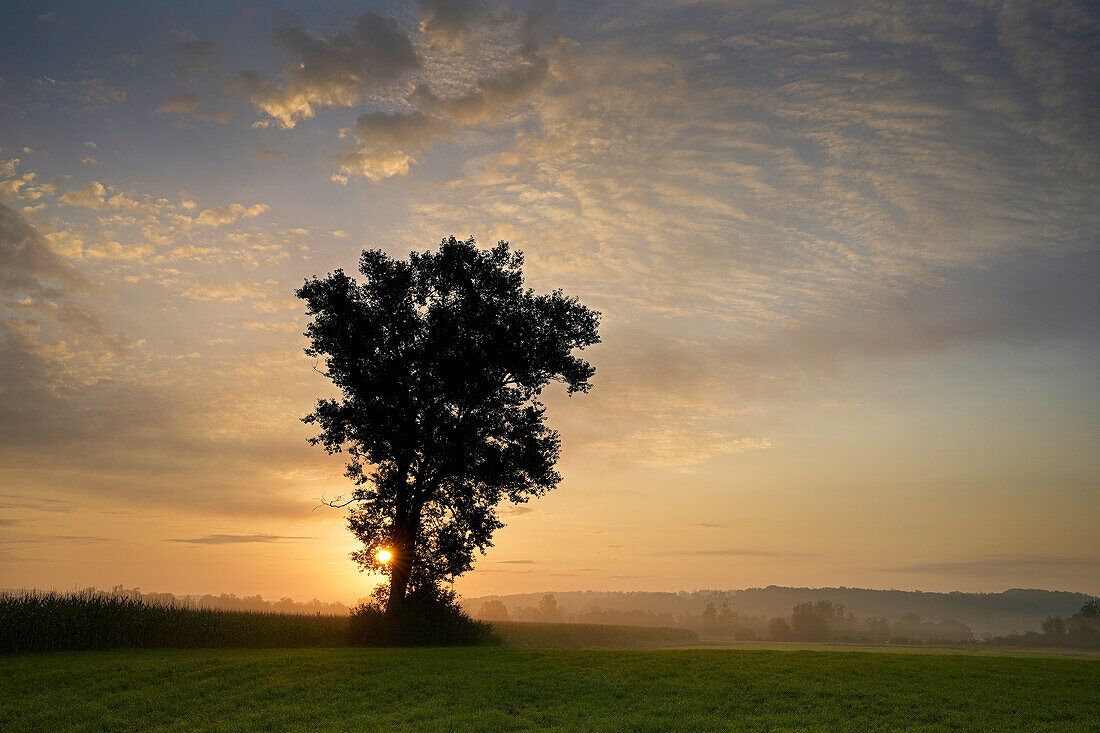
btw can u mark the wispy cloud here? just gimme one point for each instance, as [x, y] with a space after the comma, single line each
[86, 92]
[54, 539]
[34, 503]
[233, 539]
[739, 553]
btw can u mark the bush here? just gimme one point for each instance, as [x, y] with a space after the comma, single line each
[429, 618]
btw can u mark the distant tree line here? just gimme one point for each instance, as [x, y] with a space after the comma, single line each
[827, 621]
[1079, 631]
[809, 621]
[1008, 612]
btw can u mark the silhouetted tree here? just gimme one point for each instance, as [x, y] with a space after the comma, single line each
[493, 611]
[779, 630]
[440, 361]
[549, 609]
[815, 621]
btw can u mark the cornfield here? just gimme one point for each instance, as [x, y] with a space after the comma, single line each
[33, 621]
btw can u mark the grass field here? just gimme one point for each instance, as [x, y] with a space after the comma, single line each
[500, 689]
[974, 649]
[589, 636]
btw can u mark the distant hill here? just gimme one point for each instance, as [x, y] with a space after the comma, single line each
[1014, 610]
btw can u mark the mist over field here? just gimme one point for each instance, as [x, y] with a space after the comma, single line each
[983, 614]
[1014, 610]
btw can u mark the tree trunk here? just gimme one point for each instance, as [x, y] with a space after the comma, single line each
[400, 567]
[402, 545]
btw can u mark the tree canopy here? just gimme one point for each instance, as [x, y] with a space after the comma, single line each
[440, 361]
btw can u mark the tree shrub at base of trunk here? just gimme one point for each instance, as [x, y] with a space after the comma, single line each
[425, 619]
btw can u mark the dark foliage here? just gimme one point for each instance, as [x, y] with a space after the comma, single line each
[440, 361]
[429, 617]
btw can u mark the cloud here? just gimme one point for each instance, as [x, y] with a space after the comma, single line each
[55, 18]
[96, 195]
[128, 435]
[54, 539]
[198, 51]
[331, 70]
[169, 440]
[232, 539]
[681, 446]
[10, 189]
[222, 215]
[36, 282]
[1022, 298]
[828, 188]
[87, 92]
[450, 23]
[739, 553]
[35, 503]
[516, 562]
[489, 97]
[265, 152]
[188, 104]
[90, 195]
[280, 327]
[270, 296]
[26, 262]
[113, 422]
[408, 130]
[393, 140]
[372, 163]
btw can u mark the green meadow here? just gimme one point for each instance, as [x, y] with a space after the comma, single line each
[501, 688]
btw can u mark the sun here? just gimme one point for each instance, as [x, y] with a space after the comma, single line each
[384, 556]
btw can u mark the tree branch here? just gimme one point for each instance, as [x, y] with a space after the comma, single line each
[335, 503]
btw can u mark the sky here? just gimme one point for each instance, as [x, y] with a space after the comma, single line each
[846, 256]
